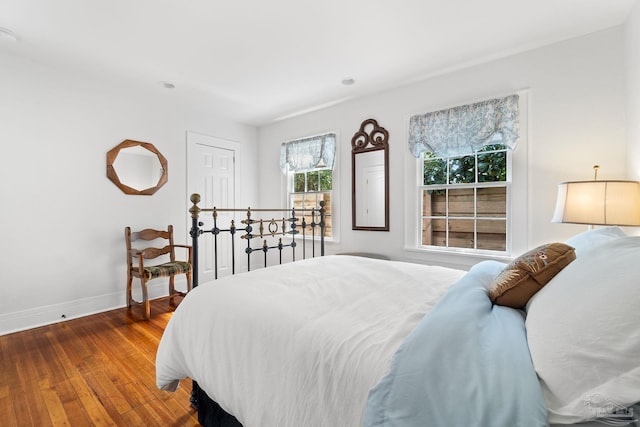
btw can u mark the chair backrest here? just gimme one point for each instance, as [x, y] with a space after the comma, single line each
[148, 235]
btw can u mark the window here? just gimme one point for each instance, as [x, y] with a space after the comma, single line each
[308, 189]
[308, 165]
[464, 189]
[464, 200]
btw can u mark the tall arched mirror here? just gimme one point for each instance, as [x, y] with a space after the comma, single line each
[137, 167]
[370, 177]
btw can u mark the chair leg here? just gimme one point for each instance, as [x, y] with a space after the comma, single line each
[172, 288]
[145, 300]
[189, 282]
[129, 286]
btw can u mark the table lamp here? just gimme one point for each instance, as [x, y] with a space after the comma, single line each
[609, 202]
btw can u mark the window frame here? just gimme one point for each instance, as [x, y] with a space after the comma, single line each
[474, 216]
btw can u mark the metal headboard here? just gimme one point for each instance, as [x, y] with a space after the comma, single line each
[293, 225]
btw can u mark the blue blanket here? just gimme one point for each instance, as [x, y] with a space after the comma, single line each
[466, 363]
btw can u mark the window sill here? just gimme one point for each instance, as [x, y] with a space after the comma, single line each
[460, 259]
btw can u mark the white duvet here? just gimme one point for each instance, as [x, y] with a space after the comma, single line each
[300, 344]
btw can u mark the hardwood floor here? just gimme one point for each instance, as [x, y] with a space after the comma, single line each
[98, 370]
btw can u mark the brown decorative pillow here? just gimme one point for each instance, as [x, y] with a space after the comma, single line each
[528, 273]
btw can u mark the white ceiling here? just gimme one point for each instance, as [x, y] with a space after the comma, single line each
[257, 61]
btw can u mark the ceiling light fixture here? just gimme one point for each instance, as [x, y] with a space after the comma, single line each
[348, 81]
[8, 35]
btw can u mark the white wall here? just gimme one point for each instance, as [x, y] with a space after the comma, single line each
[632, 53]
[62, 245]
[577, 106]
[62, 219]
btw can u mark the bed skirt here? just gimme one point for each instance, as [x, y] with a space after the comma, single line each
[210, 414]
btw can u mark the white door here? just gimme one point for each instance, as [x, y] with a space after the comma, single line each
[211, 172]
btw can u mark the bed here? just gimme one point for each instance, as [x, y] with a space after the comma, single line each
[342, 340]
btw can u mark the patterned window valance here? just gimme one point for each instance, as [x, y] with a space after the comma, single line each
[465, 129]
[308, 153]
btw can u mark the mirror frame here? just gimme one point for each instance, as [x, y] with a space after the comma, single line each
[370, 137]
[112, 155]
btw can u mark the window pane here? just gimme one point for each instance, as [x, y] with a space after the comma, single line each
[434, 232]
[492, 167]
[461, 202]
[492, 235]
[435, 171]
[492, 202]
[298, 182]
[462, 170]
[326, 197]
[326, 180]
[434, 203]
[327, 211]
[461, 233]
[312, 181]
[308, 202]
[493, 147]
[297, 201]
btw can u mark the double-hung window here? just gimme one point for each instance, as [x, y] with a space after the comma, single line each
[308, 164]
[464, 200]
[464, 188]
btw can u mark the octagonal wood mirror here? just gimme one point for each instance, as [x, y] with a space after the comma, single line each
[136, 167]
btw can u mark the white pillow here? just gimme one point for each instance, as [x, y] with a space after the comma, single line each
[583, 330]
[588, 240]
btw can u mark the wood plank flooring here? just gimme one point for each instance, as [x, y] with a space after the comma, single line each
[98, 370]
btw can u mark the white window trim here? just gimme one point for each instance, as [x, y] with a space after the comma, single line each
[518, 202]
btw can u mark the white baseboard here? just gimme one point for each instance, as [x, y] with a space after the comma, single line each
[46, 315]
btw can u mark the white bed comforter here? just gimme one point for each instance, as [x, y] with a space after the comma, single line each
[299, 344]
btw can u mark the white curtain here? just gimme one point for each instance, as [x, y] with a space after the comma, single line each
[308, 153]
[465, 129]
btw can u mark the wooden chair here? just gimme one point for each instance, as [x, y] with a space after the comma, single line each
[136, 266]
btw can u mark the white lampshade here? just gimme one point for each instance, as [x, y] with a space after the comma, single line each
[598, 203]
